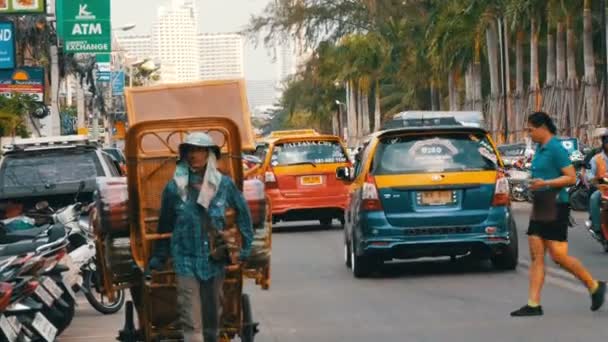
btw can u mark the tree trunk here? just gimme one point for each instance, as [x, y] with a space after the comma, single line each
[507, 92]
[572, 123]
[365, 108]
[80, 105]
[550, 59]
[359, 111]
[351, 113]
[453, 95]
[561, 54]
[591, 112]
[468, 87]
[477, 84]
[571, 52]
[588, 44]
[493, 65]
[433, 96]
[377, 110]
[493, 58]
[519, 63]
[534, 67]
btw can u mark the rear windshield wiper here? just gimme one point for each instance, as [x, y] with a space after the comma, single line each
[303, 163]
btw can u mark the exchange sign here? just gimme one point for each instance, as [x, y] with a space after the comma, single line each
[86, 26]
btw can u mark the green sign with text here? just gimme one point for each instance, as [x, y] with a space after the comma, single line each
[86, 26]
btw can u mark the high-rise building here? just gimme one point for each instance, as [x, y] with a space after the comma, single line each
[176, 41]
[137, 46]
[286, 61]
[261, 93]
[221, 56]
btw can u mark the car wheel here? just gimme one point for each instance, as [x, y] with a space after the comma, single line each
[347, 254]
[361, 265]
[509, 257]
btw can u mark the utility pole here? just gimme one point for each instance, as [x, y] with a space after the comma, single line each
[54, 54]
[503, 57]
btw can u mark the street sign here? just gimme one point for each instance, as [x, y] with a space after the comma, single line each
[7, 45]
[22, 6]
[104, 68]
[118, 83]
[26, 80]
[86, 26]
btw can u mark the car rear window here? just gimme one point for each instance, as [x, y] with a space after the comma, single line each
[434, 153]
[512, 151]
[116, 154]
[50, 169]
[308, 151]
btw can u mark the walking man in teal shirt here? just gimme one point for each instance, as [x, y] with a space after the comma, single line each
[552, 172]
[193, 204]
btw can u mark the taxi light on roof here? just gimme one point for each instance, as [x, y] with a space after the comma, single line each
[288, 133]
[437, 118]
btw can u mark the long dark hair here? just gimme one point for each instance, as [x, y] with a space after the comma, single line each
[538, 119]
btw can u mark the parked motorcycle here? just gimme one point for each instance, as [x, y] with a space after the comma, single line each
[82, 252]
[519, 178]
[602, 237]
[580, 193]
[40, 306]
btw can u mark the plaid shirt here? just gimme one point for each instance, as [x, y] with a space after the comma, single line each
[189, 244]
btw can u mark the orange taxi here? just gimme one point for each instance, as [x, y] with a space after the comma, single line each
[299, 172]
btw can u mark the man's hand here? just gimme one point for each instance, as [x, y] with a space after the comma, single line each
[536, 184]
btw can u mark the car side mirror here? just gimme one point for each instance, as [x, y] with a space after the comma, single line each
[345, 173]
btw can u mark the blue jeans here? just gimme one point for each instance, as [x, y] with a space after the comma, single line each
[594, 210]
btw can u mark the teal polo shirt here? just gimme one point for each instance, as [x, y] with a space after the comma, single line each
[548, 162]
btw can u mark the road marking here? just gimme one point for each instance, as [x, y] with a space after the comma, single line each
[557, 277]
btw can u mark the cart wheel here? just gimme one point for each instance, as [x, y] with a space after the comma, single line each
[249, 328]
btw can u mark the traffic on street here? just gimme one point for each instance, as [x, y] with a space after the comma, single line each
[315, 297]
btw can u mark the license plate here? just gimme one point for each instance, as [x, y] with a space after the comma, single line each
[45, 328]
[50, 285]
[436, 197]
[9, 331]
[311, 180]
[46, 297]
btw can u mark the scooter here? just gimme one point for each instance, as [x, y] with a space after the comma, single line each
[602, 237]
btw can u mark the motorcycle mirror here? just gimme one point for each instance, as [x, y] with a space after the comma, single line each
[42, 205]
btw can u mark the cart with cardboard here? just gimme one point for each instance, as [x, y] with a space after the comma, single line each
[160, 118]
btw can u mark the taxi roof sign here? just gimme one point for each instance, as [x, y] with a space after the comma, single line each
[287, 133]
[415, 119]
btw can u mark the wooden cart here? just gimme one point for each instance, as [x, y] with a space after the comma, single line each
[124, 250]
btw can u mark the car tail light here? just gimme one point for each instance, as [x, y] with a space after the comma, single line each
[370, 199]
[501, 193]
[270, 179]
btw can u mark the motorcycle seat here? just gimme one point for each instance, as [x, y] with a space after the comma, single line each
[29, 246]
[27, 234]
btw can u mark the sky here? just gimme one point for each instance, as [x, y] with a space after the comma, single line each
[215, 16]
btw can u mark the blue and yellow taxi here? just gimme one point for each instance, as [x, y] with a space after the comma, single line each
[431, 185]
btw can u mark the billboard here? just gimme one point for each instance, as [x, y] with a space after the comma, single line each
[26, 80]
[7, 45]
[22, 6]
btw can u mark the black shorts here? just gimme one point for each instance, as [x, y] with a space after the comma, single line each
[556, 230]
